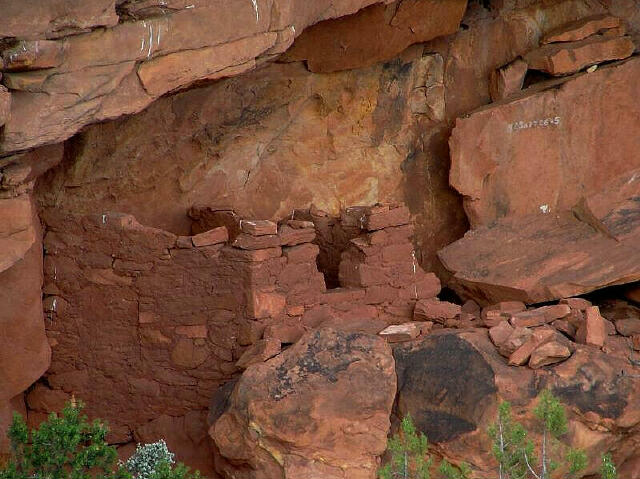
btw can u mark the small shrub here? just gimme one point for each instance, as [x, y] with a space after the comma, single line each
[63, 447]
[69, 447]
[155, 461]
[608, 468]
[447, 471]
[410, 460]
[515, 452]
[142, 464]
[408, 451]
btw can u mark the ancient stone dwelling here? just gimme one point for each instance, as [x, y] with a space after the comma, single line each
[266, 230]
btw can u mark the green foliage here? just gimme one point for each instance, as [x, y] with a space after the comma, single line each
[69, 447]
[164, 470]
[409, 457]
[515, 453]
[408, 451]
[551, 413]
[577, 460]
[447, 471]
[511, 448]
[63, 447]
[142, 464]
[608, 468]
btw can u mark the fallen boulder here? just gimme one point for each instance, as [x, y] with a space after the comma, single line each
[546, 257]
[451, 383]
[319, 409]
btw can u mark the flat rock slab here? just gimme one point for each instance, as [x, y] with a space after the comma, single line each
[540, 152]
[581, 29]
[547, 257]
[540, 259]
[570, 57]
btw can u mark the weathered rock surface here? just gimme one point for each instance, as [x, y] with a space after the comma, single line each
[545, 257]
[444, 377]
[493, 41]
[120, 70]
[18, 230]
[543, 151]
[5, 105]
[54, 18]
[376, 33]
[568, 58]
[582, 28]
[549, 353]
[538, 259]
[24, 350]
[319, 409]
[245, 145]
[508, 80]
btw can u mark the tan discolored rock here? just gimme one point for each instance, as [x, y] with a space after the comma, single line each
[5, 105]
[342, 396]
[265, 304]
[549, 353]
[507, 80]
[581, 29]
[397, 333]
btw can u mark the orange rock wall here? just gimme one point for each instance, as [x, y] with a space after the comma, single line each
[144, 326]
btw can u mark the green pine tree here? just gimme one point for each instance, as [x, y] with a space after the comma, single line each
[608, 468]
[408, 451]
[516, 454]
[448, 471]
[511, 448]
[63, 447]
